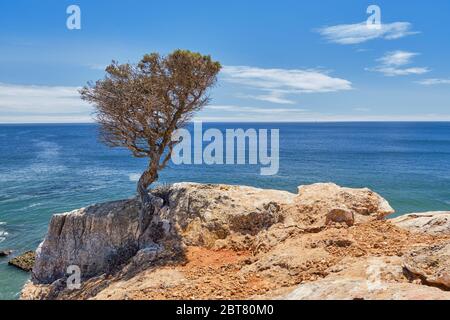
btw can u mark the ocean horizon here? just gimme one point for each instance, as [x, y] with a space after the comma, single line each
[53, 168]
[239, 122]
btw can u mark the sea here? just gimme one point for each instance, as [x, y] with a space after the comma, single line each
[53, 168]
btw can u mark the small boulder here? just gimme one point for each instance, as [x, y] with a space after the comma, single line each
[25, 261]
[431, 264]
[339, 215]
[4, 253]
[144, 258]
[433, 223]
[314, 203]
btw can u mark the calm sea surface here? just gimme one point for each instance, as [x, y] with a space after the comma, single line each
[46, 169]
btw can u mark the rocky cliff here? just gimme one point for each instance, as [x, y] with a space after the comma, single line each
[236, 242]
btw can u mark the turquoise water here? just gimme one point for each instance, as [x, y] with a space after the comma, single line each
[45, 169]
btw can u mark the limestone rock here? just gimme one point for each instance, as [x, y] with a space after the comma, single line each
[4, 253]
[351, 289]
[146, 255]
[374, 278]
[431, 264]
[315, 202]
[434, 223]
[340, 216]
[156, 280]
[95, 239]
[24, 262]
[32, 291]
[143, 258]
[289, 261]
[102, 237]
[231, 241]
[203, 214]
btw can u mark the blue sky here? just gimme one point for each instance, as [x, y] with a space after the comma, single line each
[283, 60]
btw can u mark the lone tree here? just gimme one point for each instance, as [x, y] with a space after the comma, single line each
[139, 106]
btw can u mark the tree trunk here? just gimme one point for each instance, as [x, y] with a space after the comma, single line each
[148, 201]
[146, 179]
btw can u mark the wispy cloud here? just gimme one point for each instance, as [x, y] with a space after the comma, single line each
[397, 58]
[35, 103]
[359, 32]
[271, 96]
[238, 113]
[393, 62]
[431, 82]
[243, 109]
[277, 83]
[393, 72]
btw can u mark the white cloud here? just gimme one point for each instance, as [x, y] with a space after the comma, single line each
[393, 72]
[431, 82]
[392, 62]
[397, 58]
[359, 32]
[237, 113]
[243, 109]
[30, 103]
[271, 96]
[281, 82]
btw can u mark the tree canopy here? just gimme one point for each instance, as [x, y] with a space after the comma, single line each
[139, 106]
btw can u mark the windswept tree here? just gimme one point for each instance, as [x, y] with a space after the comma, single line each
[139, 106]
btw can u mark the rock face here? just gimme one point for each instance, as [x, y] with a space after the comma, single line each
[100, 238]
[375, 278]
[431, 264]
[236, 242]
[322, 203]
[95, 239]
[203, 214]
[435, 223]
